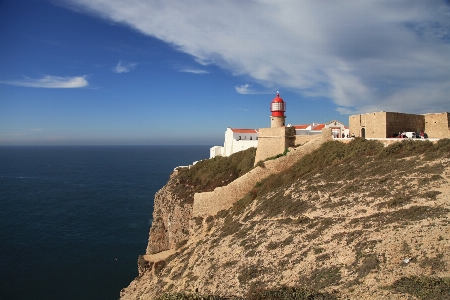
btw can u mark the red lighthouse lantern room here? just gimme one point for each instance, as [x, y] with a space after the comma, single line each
[277, 107]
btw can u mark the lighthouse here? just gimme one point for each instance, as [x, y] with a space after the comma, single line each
[277, 108]
[276, 139]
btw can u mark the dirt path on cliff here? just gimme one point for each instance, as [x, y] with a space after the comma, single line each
[159, 256]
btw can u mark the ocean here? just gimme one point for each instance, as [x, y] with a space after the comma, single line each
[74, 219]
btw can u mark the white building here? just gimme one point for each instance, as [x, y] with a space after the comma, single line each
[241, 139]
[236, 140]
[308, 129]
[337, 129]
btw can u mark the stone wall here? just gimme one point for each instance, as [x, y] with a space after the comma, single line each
[303, 139]
[438, 125]
[326, 134]
[210, 203]
[400, 122]
[369, 125]
[273, 141]
[385, 124]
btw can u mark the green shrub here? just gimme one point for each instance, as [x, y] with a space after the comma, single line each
[159, 266]
[186, 296]
[277, 156]
[423, 287]
[322, 278]
[248, 273]
[436, 264]
[287, 293]
[369, 263]
[407, 148]
[208, 174]
[431, 194]
[272, 245]
[181, 244]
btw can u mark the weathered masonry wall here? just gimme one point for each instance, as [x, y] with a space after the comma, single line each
[399, 122]
[385, 124]
[438, 125]
[273, 141]
[210, 203]
[369, 125]
[303, 139]
[277, 121]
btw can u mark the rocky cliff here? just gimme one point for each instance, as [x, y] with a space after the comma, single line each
[345, 221]
[171, 215]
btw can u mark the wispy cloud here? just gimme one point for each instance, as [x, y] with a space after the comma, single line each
[363, 55]
[124, 67]
[51, 82]
[194, 71]
[247, 89]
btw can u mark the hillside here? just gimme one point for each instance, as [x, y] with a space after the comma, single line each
[344, 222]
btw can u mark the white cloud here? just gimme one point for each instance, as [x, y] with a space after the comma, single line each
[246, 89]
[243, 89]
[194, 71]
[123, 68]
[52, 82]
[372, 54]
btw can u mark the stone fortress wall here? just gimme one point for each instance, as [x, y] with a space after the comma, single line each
[385, 124]
[437, 125]
[400, 122]
[300, 140]
[210, 203]
[273, 141]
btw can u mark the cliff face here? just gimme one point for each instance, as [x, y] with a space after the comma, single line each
[171, 216]
[351, 221]
[173, 204]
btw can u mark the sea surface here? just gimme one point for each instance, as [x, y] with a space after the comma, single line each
[73, 219]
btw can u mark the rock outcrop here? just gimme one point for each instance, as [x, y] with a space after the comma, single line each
[171, 215]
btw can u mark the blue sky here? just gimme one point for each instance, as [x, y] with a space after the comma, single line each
[180, 72]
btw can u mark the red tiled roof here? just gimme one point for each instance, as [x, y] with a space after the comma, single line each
[319, 127]
[301, 126]
[238, 130]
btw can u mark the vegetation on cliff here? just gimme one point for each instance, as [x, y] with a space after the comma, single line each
[208, 174]
[280, 293]
[362, 160]
[348, 220]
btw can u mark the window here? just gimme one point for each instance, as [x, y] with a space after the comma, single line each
[278, 106]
